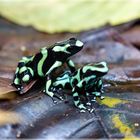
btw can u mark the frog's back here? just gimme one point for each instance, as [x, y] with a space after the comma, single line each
[42, 62]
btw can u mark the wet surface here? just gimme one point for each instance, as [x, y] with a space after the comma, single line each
[44, 119]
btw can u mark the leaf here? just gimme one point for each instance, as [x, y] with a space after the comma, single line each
[70, 15]
[124, 128]
[5, 87]
[112, 102]
[115, 117]
[7, 91]
[9, 117]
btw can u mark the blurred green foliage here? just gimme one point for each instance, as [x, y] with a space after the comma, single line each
[68, 15]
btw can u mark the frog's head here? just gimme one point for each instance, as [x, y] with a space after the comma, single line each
[69, 47]
[96, 70]
[75, 45]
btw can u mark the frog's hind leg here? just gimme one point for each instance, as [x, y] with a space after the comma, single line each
[88, 103]
[48, 91]
[77, 101]
[23, 73]
[16, 80]
[99, 89]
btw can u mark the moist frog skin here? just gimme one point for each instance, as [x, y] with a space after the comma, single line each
[86, 80]
[44, 63]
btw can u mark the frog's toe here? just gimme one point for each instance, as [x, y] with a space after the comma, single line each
[88, 103]
[54, 101]
[58, 97]
[21, 92]
[44, 91]
[91, 110]
[53, 89]
[18, 87]
[102, 97]
[97, 94]
[59, 89]
[82, 110]
[94, 99]
[61, 98]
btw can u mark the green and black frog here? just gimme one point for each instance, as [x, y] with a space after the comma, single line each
[44, 63]
[86, 80]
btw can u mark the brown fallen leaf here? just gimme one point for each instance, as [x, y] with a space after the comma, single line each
[8, 96]
[133, 36]
[7, 117]
[117, 117]
[7, 91]
[5, 86]
[28, 86]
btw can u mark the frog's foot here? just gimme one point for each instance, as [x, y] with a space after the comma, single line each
[18, 87]
[52, 95]
[95, 95]
[90, 107]
[88, 103]
[54, 100]
[82, 108]
[99, 95]
[54, 89]
[58, 97]
[58, 91]
[94, 99]
[102, 97]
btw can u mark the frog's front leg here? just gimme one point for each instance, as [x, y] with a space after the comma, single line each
[98, 90]
[76, 95]
[71, 65]
[23, 73]
[88, 99]
[17, 81]
[50, 80]
[88, 103]
[62, 82]
[48, 90]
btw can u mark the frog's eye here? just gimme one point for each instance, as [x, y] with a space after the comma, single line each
[72, 41]
[75, 42]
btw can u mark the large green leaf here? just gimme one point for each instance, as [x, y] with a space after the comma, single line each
[68, 15]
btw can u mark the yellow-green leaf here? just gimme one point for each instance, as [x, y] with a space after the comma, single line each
[68, 15]
[112, 102]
